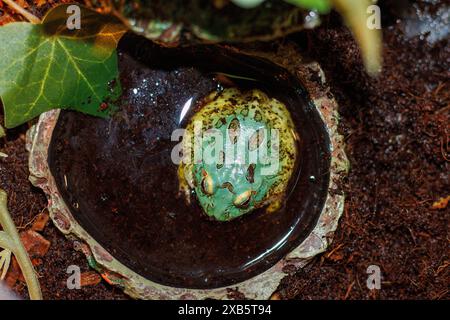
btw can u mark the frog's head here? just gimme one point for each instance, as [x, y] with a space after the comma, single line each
[231, 191]
[230, 187]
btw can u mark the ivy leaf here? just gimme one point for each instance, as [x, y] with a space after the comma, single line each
[46, 66]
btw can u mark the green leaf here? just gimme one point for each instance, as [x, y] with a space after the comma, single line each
[323, 6]
[47, 66]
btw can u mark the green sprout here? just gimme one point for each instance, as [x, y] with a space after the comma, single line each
[11, 244]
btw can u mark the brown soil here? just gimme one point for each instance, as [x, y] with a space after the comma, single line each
[397, 130]
[397, 134]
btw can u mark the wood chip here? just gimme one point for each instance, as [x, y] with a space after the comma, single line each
[13, 274]
[90, 278]
[35, 244]
[40, 3]
[442, 203]
[41, 221]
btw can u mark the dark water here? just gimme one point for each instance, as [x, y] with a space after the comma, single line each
[122, 185]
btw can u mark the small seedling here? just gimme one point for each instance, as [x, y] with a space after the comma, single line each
[11, 244]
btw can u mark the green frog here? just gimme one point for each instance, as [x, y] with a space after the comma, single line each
[239, 153]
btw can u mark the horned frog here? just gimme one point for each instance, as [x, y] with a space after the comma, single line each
[248, 147]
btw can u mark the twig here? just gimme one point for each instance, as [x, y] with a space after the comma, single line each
[9, 237]
[444, 109]
[349, 289]
[28, 15]
[334, 250]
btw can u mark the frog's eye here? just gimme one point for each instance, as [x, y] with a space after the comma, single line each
[234, 130]
[256, 140]
[207, 183]
[243, 199]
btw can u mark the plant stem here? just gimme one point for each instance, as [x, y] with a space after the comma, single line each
[5, 241]
[17, 248]
[354, 13]
[28, 15]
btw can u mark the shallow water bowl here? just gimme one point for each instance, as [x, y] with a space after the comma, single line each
[113, 188]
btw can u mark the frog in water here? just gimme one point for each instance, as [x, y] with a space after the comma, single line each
[239, 153]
